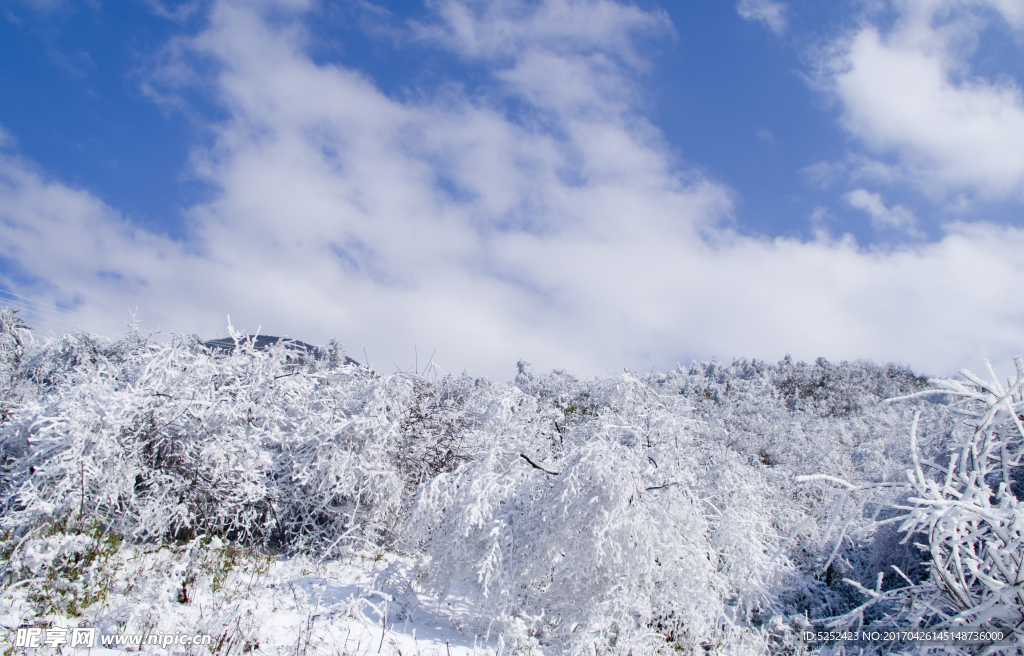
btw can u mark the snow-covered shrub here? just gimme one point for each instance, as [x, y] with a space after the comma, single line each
[15, 341]
[959, 508]
[66, 565]
[815, 418]
[627, 532]
[828, 390]
[586, 548]
[434, 429]
[781, 419]
[172, 441]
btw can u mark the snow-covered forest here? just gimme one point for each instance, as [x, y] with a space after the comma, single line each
[286, 500]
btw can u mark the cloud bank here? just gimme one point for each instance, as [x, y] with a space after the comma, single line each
[564, 232]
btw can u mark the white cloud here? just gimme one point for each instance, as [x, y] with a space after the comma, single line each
[76, 251]
[572, 241]
[823, 174]
[910, 93]
[178, 13]
[897, 217]
[772, 14]
[819, 223]
[507, 28]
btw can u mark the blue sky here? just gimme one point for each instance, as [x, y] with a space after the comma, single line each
[585, 184]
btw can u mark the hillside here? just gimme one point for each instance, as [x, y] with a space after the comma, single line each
[309, 505]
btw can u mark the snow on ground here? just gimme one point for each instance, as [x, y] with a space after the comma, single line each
[294, 606]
